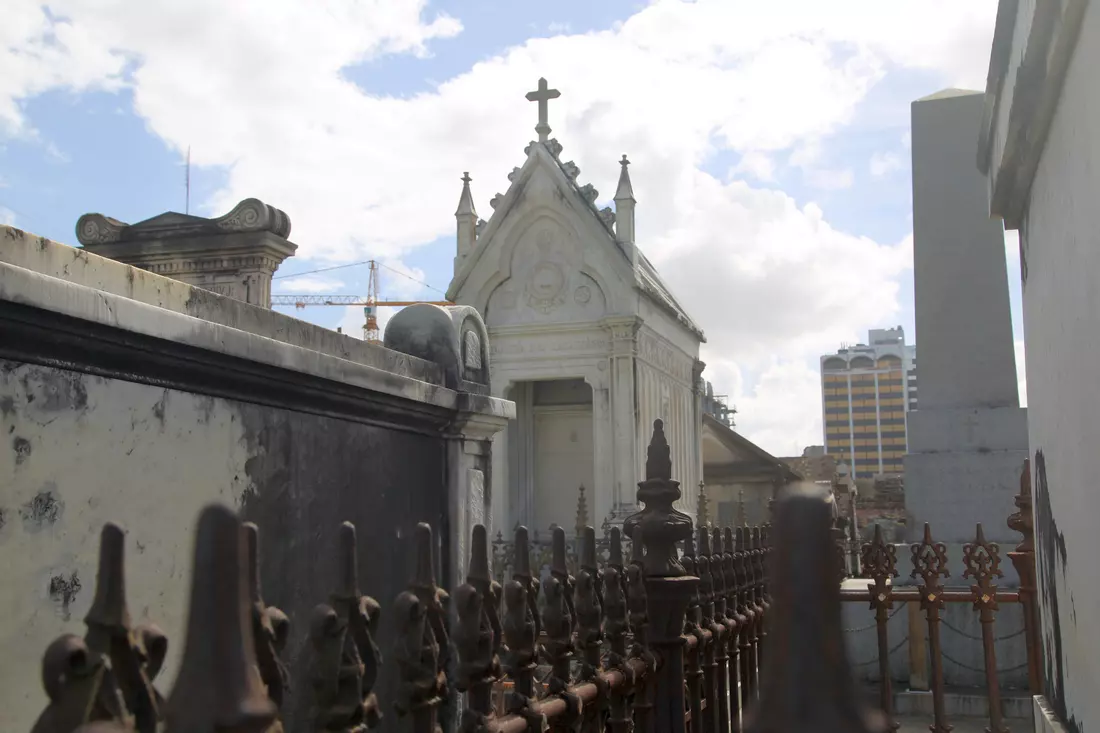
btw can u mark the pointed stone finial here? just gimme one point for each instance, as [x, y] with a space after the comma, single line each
[624, 211]
[808, 683]
[466, 199]
[625, 190]
[217, 687]
[466, 221]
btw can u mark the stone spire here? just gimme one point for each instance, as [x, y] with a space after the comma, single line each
[624, 211]
[466, 216]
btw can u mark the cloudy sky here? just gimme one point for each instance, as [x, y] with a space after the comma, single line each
[770, 143]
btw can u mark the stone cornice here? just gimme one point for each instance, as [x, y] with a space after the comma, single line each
[481, 425]
[170, 267]
[250, 215]
[1012, 139]
[48, 321]
[200, 253]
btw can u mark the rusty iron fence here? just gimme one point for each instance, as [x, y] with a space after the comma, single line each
[697, 629]
[930, 596]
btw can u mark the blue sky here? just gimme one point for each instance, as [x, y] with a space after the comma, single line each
[769, 144]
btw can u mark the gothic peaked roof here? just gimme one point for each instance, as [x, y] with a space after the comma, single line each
[547, 156]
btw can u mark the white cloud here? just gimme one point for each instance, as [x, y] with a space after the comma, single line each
[7, 216]
[772, 412]
[830, 179]
[352, 320]
[309, 284]
[883, 163]
[398, 281]
[261, 89]
[756, 164]
[807, 157]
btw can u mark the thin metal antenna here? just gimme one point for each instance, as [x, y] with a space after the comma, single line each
[187, 184]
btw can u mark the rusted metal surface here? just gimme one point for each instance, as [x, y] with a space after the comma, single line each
[218, 685]
[981, 565]
[930, 564]
[346, 658]
[107, 675]
[1023, 559]
[880, 563]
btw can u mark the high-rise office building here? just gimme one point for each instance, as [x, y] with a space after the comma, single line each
[867, 391]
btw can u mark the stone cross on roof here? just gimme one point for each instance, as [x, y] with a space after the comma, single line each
[543, 95]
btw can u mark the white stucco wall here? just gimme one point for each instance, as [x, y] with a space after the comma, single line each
[1061, 300]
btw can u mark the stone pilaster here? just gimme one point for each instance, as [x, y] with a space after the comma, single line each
[469, 480]
[624, 349]
[455, 338]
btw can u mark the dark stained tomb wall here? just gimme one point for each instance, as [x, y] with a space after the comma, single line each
[309, 475]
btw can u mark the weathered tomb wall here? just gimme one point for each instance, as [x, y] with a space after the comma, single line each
[1060, 256]
[117, 404]
[83, 450]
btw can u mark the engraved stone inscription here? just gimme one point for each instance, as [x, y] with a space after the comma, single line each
[471, 345]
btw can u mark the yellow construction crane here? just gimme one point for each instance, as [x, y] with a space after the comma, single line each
[370, 303]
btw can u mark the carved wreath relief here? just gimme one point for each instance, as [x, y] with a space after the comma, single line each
[547, 280]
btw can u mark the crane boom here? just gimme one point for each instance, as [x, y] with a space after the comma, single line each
[370, 303]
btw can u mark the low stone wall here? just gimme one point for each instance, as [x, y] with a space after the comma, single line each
[128, 397]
